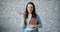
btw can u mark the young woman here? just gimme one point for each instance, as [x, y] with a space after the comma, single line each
[28, 15]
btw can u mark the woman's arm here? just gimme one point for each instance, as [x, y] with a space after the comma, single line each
[36, 26]
[39, 22]
[22, 21]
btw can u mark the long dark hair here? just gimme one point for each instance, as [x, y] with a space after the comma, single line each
[33, 12]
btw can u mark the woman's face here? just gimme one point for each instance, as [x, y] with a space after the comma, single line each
[30, 8]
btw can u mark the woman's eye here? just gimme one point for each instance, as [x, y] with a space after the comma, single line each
[30, 7]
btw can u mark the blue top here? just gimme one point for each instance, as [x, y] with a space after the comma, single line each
[39, 22]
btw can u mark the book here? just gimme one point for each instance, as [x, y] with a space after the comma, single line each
[33, 21]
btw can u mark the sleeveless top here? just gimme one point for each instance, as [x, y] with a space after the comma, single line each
[28, 20]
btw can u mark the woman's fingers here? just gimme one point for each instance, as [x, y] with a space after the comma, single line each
[31, 26]
[36, 26]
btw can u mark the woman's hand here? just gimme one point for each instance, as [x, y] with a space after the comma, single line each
[31, 26]
[34, 26]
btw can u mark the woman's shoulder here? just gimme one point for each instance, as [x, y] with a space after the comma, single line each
[38, 16]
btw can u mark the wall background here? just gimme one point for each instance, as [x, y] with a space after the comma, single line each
[48, 10]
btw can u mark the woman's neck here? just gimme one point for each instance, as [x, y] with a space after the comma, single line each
[30, 13]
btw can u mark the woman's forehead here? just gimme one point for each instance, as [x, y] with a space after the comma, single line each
[30, 5]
